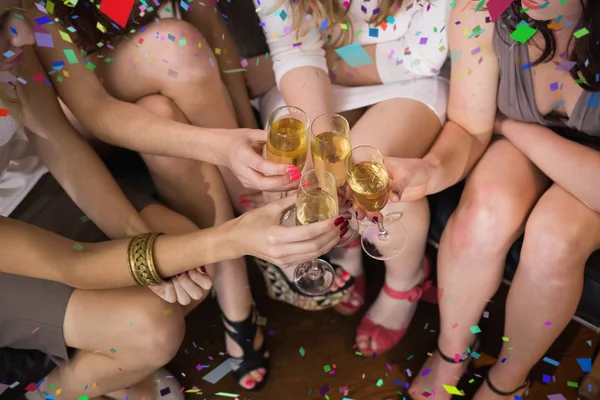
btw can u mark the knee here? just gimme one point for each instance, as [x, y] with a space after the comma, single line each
[554, 245]
[159, 329]
[161, 106]
[488, 220]
[191, 60]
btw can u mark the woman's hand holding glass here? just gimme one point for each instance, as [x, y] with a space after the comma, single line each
[369, 185]
[259, 233]
[183, 288]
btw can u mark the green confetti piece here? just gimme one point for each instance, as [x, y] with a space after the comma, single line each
[581, 33]
[481, 3]
[113, 350]
[523, 33]
[71, 57]
[50, 7]
[52, 386]
[78, 247]
[453, 390]
[380, 382]
[453, 4]
[84, 397]
[572, 384]
[231, 71]
[326, 368]
[182, 42]
[358, 353]
[505, 339]
[84, 219]
[302, 352]
[475, 329]
[167, 9]
[59, 79]
[471, 380]
[90, 66]
[224, 394]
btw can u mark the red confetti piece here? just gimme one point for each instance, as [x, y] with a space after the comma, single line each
[117, 10]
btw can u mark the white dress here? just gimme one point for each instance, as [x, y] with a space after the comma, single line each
[412, 47]
[20, 168]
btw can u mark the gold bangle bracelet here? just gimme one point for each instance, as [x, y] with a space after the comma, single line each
[141, 259]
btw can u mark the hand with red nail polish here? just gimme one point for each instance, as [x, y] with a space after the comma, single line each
[240, 151]
[260, 233]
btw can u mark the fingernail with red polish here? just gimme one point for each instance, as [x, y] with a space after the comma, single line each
[250, 383]
[345, 275]
[376, 219]
[203, 269]
[343, 232]
[292, 170]
[339, 220]
[244, 199]
[344, 225]
[245, 205]
[356, 214]
[295, 177]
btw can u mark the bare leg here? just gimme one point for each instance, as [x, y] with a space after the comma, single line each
[560, 235]
[498, 196]
[192, 188]
[123, 335]
[405, 128]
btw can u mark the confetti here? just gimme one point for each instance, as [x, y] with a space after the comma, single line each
[221, 370]
[355, 55]
[224, 394]
[497, 7]
[581, 33]
[117, 10]
[523, 33]
[453, 390]
[475, 329]
[78, 247]
[551, 361]
[585, 364]
[302, 352]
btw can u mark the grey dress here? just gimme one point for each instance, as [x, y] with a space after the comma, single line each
[516, 97]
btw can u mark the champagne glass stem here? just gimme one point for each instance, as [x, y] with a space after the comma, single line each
[383, 233]
[314, 271]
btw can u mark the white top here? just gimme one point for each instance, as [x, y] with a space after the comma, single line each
[20, 168]
[413, 44]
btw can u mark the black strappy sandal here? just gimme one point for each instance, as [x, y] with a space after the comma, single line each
[494, 389]
[465, 356]
[244, 333]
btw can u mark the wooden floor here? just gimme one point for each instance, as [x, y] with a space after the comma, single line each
[328, 339]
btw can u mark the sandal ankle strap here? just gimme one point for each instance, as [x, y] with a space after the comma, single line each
[458, 359]
[412, 295]
[500, 392]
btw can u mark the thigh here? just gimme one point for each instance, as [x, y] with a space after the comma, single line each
[397, 128]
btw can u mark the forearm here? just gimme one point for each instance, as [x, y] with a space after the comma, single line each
[30, 251]
[309, 89]
[344, 74]
[453, 155]
[133, 127]
[574, 167]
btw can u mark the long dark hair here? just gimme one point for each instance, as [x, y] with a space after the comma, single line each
[85, 16]
[586, 50]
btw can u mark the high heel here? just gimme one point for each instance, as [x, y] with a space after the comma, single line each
[244, 334]
[279, 288]
[388, 338]
[349, 307]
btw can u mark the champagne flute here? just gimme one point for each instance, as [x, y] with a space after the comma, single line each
[287, 141]
[369, 182]
[316, 201]
[330, 144]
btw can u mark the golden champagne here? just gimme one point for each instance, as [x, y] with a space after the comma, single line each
[328, 152]
[315, 205]
[370, 185]
[287, 142]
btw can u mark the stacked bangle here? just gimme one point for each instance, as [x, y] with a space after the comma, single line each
[141, 259]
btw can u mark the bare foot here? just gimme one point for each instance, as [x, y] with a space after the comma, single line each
[436, 372]
[249, 380]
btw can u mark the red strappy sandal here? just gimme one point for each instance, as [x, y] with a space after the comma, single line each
[388, 338]
[350, 307]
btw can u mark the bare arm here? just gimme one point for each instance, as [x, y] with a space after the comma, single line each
[117, 122]
[30, 251]
[575, 167]
[208, 21]
[472, 104]
[73, 162]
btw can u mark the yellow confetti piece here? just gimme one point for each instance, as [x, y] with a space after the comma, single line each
[453, 390]
[50, 7]
[65, 36]
[217, 51]
[168, 311]
[100, 27]
[58, 392]
[66, 73]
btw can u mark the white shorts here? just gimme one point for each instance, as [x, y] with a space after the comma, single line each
[433, 92]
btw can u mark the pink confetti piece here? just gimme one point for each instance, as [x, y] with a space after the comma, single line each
[35, 330]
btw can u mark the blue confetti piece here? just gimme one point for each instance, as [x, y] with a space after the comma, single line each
[14, 31]
[9, 54]
[184, 5]
[551, 361]
[283, 15]
[525, 67]
[398, 382]
[373, 32]
[324, 24]
[546, 378]
[354, 55]
[43, 20]
[171, 37]
[592, 100]
[585, 364]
